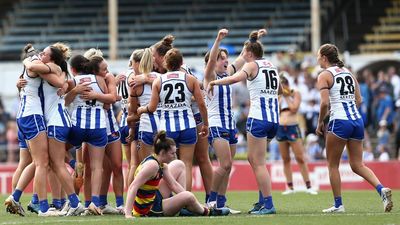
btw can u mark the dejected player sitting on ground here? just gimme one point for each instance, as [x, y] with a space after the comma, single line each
[150, 192]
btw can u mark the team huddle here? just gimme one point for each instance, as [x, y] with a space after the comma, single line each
[169, 117]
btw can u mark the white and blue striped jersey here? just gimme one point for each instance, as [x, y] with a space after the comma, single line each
[31, 101]
[123, 91]
[342, 95]
[111, 121]
[175, 99]
[88, 114]
[149, 122]
[219, 106]
[263, 90]
[55, 112]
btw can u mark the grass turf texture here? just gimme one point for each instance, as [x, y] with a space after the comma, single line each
[362, 207]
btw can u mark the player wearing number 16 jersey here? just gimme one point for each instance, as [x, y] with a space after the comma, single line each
[340, 90]
[174, 91]
[262, 124]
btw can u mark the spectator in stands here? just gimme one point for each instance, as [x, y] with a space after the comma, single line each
[12, 141]
[382, 80]
[368, 155]
[384, 109]
[383, 154]
[394, 81]
[314, 150]
[365, 94]
[293, 61]
[4, 117]
[273, 149]
[383, 136]
[365, 106]
[311, 112]
[397, 119]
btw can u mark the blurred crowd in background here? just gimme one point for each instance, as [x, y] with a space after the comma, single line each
[380, 110]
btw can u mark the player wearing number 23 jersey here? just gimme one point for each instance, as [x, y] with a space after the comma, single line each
[263, 119]
[345, 121]
[177, 116]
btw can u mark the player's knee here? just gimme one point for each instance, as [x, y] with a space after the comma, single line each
[178, 165]
[43, 162]
[356, 167]
[117, 169]
[300, 159]
[227, 166]
[189, 197]
[251, 160]
[286, 159]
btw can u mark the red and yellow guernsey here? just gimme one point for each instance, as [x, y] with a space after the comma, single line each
[146, 194]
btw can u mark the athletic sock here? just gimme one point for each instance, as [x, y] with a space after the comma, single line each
[63, 200]
[213, 196]
[308, 184]
[43, 205]
[260, 197]
[379, 189]
[338, 201]
[103, 200]
[207, 197]
[119, 200]
[290, 185]
[87, 203]
[17, 195]
[96, 200]
[221, 199]
[74, 200]
[35, 199]
[268, 204]
[57, 203]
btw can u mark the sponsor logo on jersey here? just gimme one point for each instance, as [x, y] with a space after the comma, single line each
[339, 70]
[85, 79]
[173, 75]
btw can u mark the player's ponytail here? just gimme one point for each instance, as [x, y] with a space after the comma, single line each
[331, 52]
[162, 142]
[92, 52]
[28, 51]
[163, 46]
[146, 62]
[254, 46]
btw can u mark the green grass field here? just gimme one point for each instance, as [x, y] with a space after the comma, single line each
[362, 207]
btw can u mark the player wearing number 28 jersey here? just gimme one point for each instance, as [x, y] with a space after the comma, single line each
[345, 120]
[339, 89]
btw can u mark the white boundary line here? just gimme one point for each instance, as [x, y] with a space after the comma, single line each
[88, 219]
